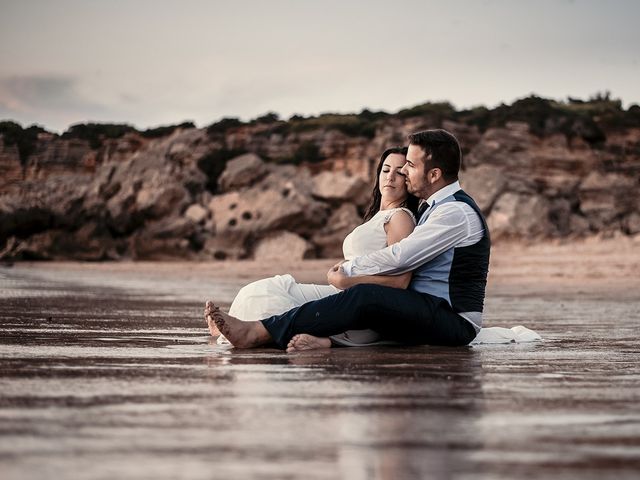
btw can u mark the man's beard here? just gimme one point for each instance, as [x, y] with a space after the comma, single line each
[416, 192]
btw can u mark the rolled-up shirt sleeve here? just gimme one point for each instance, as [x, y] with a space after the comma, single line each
[445, 227]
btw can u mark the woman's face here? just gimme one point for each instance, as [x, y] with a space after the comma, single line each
[392, 182]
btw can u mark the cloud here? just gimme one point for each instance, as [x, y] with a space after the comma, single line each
[53, 100]
[29, 93]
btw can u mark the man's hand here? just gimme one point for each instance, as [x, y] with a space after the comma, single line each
[336, 276]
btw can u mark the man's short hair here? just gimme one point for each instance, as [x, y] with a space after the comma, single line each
[442, 149]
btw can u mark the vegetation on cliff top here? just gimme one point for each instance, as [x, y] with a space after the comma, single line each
[587, 119]
[584, 118]
[26, 139]
[96, 133]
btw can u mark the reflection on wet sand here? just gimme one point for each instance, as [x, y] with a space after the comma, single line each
[375, 412]
[121, 384]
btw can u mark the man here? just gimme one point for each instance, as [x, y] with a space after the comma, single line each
[448, 253]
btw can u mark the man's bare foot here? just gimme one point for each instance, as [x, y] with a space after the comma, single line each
[240, 334]
[304, 341]
[208, 316]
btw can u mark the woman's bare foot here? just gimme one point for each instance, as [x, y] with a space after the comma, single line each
[208, 316]
[240, 334]
[304, 341]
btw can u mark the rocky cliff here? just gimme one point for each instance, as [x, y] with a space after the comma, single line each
[268, 188]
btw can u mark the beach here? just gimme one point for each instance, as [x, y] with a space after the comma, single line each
[107, 371]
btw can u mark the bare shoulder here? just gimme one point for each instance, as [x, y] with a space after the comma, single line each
[401, 223]
[405, 214]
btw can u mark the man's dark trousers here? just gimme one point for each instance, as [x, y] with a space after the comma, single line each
[410, 317]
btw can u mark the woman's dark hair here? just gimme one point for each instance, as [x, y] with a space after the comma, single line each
[376, 197]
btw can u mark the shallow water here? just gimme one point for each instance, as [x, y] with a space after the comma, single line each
[112, 375]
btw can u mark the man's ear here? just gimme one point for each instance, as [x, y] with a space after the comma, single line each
[435, 175]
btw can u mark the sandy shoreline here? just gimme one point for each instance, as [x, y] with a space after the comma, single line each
[593, 265]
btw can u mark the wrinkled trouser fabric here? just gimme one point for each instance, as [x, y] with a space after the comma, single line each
[409, 317]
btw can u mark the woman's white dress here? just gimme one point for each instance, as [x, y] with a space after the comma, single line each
[275, 295]
[271, 296]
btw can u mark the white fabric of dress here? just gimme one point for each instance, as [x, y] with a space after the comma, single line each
[275, 295]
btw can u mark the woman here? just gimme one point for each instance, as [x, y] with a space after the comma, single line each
[389, 219]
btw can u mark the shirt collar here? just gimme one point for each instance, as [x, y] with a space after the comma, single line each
[444, 192]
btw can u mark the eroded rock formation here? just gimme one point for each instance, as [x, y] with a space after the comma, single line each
[237, 190]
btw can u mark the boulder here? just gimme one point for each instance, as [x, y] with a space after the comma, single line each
[484, 183]
[36, 247]
[158, 200]
[560, 213]
[632, 223]
[149, 185]
[606, 197]
[284, 246]
[142, 247]
[278, 202]
[341, 222]
[225, 247]
[170, 227]
[520, 216]
[121, 213]
[37, 207]
[91, 242]
[263, 209]
[529, 164]
[23, 214]
[242, 171]
[337, 186]
[578, 226]
[196, 213]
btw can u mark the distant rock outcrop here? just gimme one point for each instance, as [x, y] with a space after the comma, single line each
[241, 172]
[538, 169]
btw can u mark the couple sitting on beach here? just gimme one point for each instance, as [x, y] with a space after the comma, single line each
[414, 273]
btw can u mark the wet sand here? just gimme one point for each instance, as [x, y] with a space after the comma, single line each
[107, 371]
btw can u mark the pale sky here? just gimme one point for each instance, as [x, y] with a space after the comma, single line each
[157, 62]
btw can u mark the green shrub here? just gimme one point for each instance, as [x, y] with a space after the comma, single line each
[478, 116]
[96, 133]
[223, 125]
[606, 111]
[165, 130]
[367, 114]
[438, 111]
[546, 117]
[533, 110]
[270, 117]
[350, 125]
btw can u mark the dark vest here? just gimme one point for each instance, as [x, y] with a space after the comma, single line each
[470, 267]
